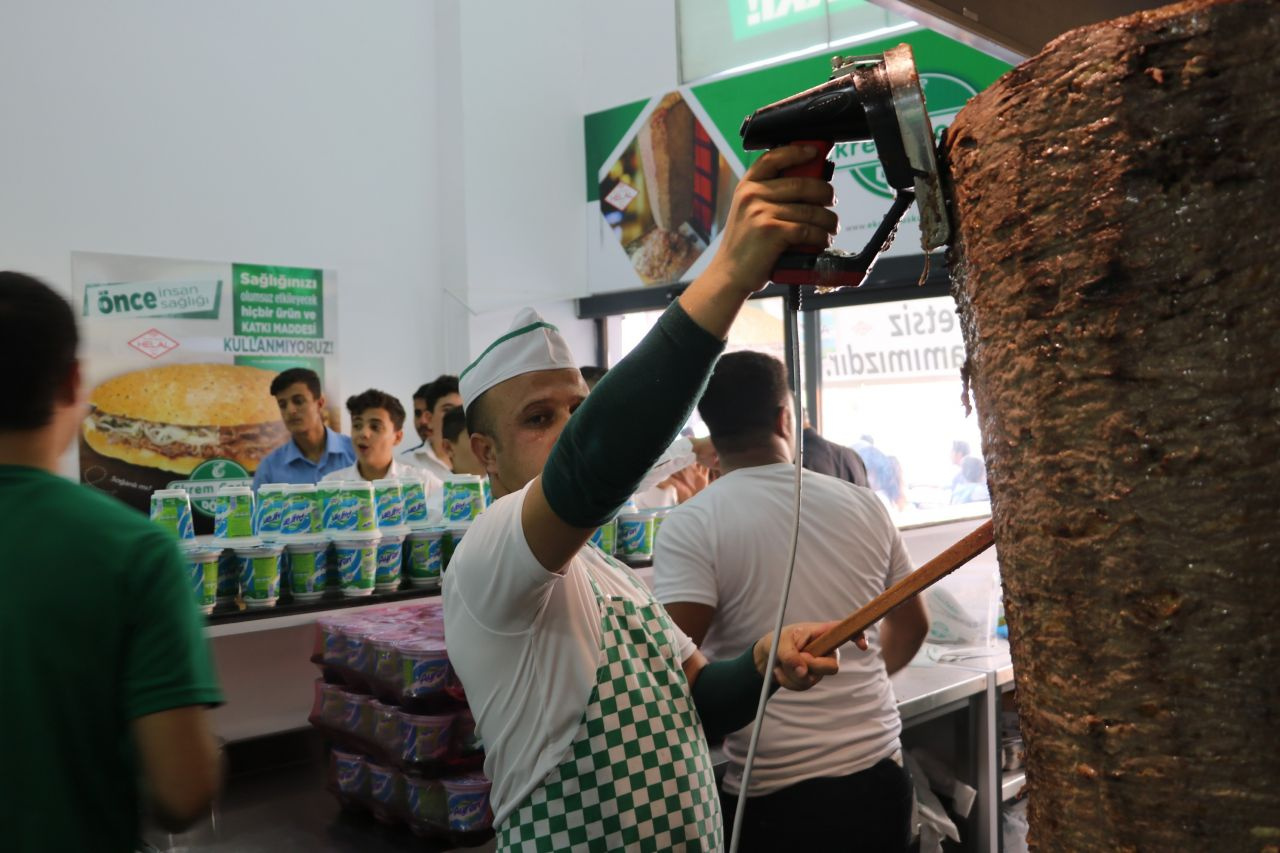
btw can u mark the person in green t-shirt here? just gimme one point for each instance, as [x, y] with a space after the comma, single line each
[105, 676]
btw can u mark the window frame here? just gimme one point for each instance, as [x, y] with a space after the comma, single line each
[902, 277]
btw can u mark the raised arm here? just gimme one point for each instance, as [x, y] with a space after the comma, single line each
[638, 408]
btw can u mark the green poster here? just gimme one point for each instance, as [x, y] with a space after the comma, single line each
[661, 173]
[278, 302]
[950, 74]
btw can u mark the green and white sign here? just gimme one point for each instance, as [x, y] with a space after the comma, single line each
[179, 356]
[755, 17]
[207, 478]
[624, 210]
[281, 302]
[191, 299]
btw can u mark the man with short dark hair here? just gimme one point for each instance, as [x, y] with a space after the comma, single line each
[377, 425]
[430, 404]
[313, 449]
[106, 673]
[719, 568]
[458, 442]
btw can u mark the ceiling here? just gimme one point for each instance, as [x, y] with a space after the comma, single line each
[1011, 29]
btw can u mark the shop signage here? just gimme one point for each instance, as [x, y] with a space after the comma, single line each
[661, 172]
[892, 342]
[178, 358]
[753, 17]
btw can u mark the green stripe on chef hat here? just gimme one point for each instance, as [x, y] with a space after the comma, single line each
[530, 345]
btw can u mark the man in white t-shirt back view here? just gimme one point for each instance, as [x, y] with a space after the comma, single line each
[719, 568]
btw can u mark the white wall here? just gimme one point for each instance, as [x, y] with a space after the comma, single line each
[292, 132]
[529, 73]
[579, 334]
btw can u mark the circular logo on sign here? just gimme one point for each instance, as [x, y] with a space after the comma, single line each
[213, 472]
[944, 97]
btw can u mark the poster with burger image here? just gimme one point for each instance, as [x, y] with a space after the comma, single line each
[178, 358]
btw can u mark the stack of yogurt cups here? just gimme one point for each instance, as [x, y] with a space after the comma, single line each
[306, 546]
[171, 509]
[237, 521]
[405, 746]
[388, 498]
[351, 521]
[423, 555]
[465, 497]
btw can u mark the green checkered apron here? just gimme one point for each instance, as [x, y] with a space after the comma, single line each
[638, 774]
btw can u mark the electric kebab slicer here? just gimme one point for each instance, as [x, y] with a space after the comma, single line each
[877, 98]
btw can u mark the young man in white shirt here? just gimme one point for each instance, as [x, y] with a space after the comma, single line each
[377, 426]
[431, 403]
[719, 567]
[590, 702]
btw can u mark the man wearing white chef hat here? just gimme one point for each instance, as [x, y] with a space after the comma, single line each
[586, 695]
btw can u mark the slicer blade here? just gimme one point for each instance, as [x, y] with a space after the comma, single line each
[917, 141]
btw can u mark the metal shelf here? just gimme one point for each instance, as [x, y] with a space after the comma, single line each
[291, 615]
[1011, 784]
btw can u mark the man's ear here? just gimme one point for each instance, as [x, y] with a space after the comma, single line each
[70, 387]
[399, 438]
[782, 425]
[485, 452]
[321, 402]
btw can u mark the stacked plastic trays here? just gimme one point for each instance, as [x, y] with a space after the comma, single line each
[404, 743]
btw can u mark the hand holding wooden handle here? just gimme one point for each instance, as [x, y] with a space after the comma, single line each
[930, 573]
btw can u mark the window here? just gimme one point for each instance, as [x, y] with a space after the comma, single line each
[891, 390]
[758, 327]
[718, 36]
[889, 387]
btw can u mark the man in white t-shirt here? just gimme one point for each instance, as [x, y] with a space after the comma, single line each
[377, 425]
[590, 702]
[719, 569]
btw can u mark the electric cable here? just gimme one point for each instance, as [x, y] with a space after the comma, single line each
[793, 312]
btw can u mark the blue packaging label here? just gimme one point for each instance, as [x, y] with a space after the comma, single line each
[327, 498]
[228, 576]
[462, 501]
[344, 513]
[195, 574]
[298, 515]
[425, 677]
[389, 557]
[350, 773]
[268, 513]
[354, 716]
[468, 811]
[382, 784]
[356, 566]
[415, 502]
[390, 507]
[636, 537]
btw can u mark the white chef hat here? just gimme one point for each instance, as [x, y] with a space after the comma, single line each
[531, 344]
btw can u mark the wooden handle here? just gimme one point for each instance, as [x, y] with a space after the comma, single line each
[922, 578]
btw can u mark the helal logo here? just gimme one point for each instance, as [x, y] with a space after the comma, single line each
[208, 477]
[944, 96]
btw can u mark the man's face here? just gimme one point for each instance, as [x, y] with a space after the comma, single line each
[300, 411]
[421, 419]
[375, 437]
[527, 413]
[443, 406]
